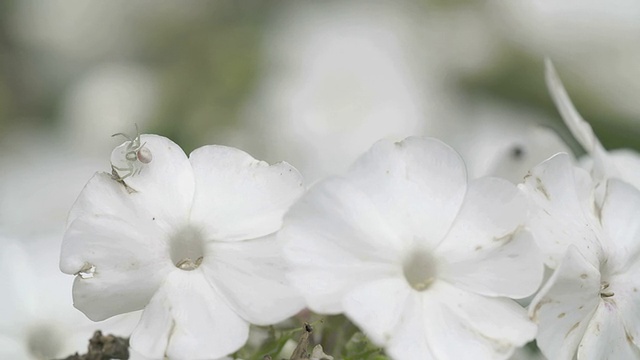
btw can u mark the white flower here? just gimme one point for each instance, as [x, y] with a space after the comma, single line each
[418, 258]
[590, 306]
[190, 240]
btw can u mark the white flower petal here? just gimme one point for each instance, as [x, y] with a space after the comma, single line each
[619, 217]
[338, 220]
[377, 307]
[513, 269]
[626, 290]
[565, 304]
[562, 211]
[151, 336]
[251, 275]
[409, 340]
[606, 338]
[104, 196]
[238, 196]
[336, 229]
[493, 326]
[189, 319]
[124, 263]
[323, 288]
[486, 251]
[451, 338]
[580, 129]
[492, 207]
[417, 185]
[165, 185]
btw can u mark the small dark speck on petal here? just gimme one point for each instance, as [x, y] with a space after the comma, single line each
[517, 152]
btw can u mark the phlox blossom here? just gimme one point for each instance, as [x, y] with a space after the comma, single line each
[590, 306]
[188, 239]
[420, 258]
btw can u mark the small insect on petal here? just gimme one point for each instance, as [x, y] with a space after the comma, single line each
[144, 155]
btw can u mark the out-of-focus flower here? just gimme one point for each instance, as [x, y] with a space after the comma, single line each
[342, 76]
[37, 320]
[420, 259]
[589, 307]
[190, 240]
[502, 141]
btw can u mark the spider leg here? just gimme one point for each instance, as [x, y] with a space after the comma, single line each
[115, 176]
[122, 134]
[129, 171]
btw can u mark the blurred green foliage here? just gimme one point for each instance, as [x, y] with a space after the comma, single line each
[208, 63]
[207, 68]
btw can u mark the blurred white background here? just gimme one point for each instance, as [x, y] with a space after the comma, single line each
[314, 84]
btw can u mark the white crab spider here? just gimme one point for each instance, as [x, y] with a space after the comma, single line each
[136, 154]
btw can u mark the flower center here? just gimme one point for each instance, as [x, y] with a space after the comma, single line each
[186, 248]
[43, 342]
[419, 269]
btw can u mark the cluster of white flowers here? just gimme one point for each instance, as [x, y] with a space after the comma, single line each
[424, 258]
